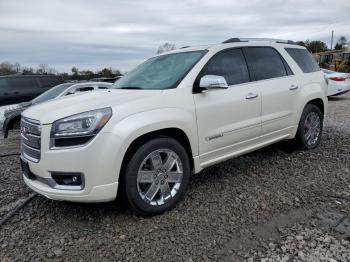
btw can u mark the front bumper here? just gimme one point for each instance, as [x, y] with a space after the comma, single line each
[98, 161]
[101, 193]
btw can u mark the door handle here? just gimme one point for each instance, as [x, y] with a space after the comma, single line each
[251, 96]
[293, 87]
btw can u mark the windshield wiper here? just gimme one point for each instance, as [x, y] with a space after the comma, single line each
[130, 87]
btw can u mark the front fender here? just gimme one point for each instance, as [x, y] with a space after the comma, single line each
[6, 124]
[134, 126]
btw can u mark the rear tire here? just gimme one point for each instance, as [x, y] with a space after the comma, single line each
[310, 128]
[156, 177]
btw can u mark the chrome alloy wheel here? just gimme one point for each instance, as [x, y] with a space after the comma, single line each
[159, 177]
[312, 128]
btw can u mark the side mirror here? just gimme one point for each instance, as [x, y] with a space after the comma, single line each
[208, 82]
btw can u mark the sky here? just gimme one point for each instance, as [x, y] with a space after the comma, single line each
[92, 34]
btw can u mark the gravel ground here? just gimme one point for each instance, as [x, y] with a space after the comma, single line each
[269, 205]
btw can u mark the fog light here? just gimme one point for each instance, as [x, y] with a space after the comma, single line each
[67, 179]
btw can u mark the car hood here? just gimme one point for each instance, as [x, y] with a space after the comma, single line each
[48, 112]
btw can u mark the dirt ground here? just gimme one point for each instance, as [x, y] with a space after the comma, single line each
[270, 205]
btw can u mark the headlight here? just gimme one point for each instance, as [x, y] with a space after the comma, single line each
[79, 129]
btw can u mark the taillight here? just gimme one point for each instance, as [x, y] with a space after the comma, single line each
[337, 78]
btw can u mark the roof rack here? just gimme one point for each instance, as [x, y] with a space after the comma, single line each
[281, 41]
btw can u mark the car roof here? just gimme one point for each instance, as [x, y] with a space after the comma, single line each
[238, 42]
[27, 76]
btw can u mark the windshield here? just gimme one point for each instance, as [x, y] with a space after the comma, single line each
[161, 72]
[52, 93]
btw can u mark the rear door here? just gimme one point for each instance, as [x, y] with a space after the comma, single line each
[279, 89]
[228, 120]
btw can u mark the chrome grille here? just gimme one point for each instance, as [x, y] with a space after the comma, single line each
[30, 139]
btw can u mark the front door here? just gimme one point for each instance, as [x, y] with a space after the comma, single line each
[229, 119]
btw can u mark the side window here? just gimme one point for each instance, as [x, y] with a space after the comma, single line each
[22, 83]
[84, 89]
[304, 59]
[230, 64]
[2, 84]
[47, 82]
[286, 66]
[266, 62]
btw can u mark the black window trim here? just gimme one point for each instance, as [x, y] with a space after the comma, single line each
[195, 87]
[282, 58]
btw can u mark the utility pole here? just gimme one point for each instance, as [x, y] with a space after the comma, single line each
[332, 40]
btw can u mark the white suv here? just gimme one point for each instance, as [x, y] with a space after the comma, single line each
[175, 114]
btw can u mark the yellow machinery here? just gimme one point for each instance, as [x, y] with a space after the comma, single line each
[335, 60]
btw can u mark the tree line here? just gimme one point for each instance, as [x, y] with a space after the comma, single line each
[7, 68]
[319, 46]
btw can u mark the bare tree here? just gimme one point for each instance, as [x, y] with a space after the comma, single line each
[42, 69]
[165, 48]
[17, 67]
[27, 71]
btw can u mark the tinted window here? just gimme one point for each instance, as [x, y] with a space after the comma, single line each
[2, 84]
[22, 83]
[47, 82]
[266, 62]
[230, 64]
[286, 66]
[304, 59]
[84, 89]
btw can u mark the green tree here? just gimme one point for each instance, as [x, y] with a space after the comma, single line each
[106, 72]
[338, 46]
[6, 68]
[316, 46]
[342, 41]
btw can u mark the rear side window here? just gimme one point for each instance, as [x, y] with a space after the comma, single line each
[266, 62]
[22, 83]
[230, 64]
[2, 84]
[304, 59]
[47, 82]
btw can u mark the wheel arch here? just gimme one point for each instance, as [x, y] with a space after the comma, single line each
[171, 132]
[9, 124]
[317, 102]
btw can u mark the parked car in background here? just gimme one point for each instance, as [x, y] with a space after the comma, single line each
[175, 114]
[15, 89]
[338, 83]
[105, 79]
[13, 116]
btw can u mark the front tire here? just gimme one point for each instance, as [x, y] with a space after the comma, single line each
[310, 128]
[156, 176]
